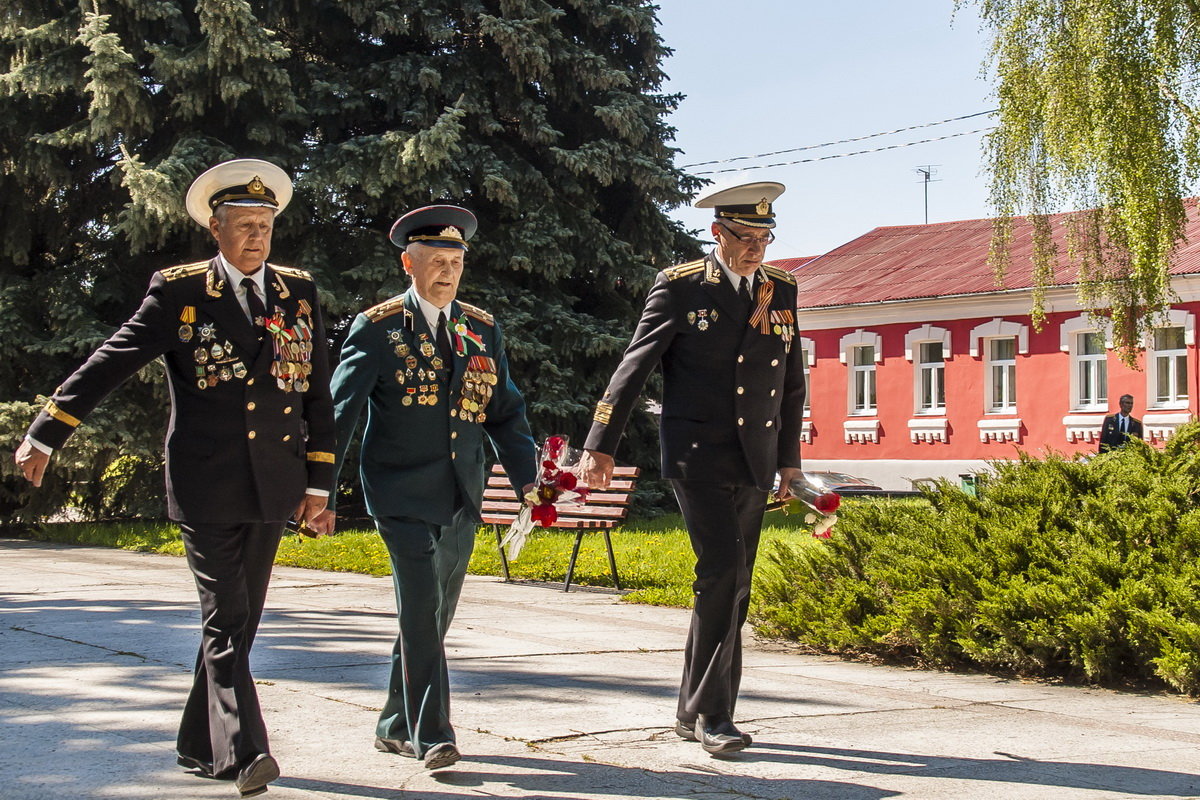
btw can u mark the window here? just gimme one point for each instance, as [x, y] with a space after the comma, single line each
[1091, 371]
[862, 380]
[806, 345]
[1170, 367]
[931, 366]
[1002, 376]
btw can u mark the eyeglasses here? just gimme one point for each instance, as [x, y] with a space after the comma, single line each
[750, 240]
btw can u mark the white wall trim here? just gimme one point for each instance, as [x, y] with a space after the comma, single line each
[806, 431]
[1000, 430]
[927, 429]
[861, 431]
[1158, 427]
[1083, 427]
[860, 338]
[927, 333]
[1081, 324]
[995, 328]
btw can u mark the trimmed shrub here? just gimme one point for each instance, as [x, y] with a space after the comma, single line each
[1076, 567]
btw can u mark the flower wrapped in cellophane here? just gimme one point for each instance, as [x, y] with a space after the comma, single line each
[557, 485]
[817, 503]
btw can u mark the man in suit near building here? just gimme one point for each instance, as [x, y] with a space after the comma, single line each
[723, 328]
[1118, 428]
[249, 444]
[434, 376]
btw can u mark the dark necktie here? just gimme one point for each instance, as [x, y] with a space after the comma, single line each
[744, 292]
[1124, 424]
[258, 311]
[443, 339]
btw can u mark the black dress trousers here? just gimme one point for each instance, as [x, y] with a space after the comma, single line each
[724, 523]
[222, 720]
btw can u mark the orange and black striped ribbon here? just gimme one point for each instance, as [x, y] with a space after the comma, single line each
[759, 319]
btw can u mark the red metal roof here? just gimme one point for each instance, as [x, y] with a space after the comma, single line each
[791, 264]
[909, 262]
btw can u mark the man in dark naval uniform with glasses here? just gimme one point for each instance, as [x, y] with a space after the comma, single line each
[250, 440]
[723, 329]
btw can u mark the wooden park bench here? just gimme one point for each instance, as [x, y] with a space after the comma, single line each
[604, 509]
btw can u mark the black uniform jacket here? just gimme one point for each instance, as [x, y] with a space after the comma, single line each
[733, 394]
[1111, 435]
[251, 421]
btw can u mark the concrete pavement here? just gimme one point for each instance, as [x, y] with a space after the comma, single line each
[557, 697]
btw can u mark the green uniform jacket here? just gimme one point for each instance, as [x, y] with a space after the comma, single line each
[423, 445]
[243, 443]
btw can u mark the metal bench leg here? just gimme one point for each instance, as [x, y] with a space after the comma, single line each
[503, 558]
[574, 555]
[612, 561]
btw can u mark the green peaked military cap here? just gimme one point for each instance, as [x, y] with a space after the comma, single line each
[436, 226]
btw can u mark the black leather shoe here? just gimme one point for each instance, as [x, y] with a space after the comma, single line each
[441, 755]
[685, 730]
[253, 778]
[718, 735]
[205, 768]
[397, 746]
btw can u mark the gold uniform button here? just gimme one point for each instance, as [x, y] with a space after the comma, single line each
[251, 434]
[453, 434]
[250, 382]
[741, 390]
[741, 421]
[774, 362]
[454, 455]
[741, 359]
[772, 393]
[770, 422]
[287, 437]
[287, 410]
[250, 406]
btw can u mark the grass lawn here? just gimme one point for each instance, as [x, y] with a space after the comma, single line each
[654, 557]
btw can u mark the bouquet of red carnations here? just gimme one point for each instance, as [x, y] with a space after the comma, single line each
[557, 485]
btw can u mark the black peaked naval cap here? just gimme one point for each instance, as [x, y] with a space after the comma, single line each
[436, 226]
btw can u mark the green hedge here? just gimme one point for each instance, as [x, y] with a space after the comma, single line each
[1062, 567]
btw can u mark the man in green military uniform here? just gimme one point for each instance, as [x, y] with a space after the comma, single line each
[434, 376]
[250, 440]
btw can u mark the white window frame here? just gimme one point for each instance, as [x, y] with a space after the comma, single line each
[809, 349]
[846, 345]
[1174, 318]
[989, 365]
[913, 340]
[1069, 332]
[870, 386]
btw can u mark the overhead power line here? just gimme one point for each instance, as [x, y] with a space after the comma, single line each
[839, 141]
[843, 155]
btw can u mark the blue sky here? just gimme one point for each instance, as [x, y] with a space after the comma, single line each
[768, 75]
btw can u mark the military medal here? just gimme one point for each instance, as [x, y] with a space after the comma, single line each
[437, 362]
[239, 370]
[426, 348]
[400, 377]
[702, 323]
[225, 374]
[207, 332]
[691, 318]
[411, 362]
[217, 351]
[201, 355]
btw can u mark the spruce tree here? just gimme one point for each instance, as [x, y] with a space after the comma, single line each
[545, 118]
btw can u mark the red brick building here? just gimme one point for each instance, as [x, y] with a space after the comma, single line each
[921, 367]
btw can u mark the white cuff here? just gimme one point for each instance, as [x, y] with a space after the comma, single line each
[317, 492]
[36, 445]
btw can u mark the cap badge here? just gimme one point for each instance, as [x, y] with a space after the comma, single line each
[451, 232]
[256, 186]
[762, 208]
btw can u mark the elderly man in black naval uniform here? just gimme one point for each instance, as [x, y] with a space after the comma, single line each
[433, 375]
[1119, 428]
[250, 440]
[723, 328]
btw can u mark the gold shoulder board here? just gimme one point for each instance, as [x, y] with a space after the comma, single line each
[682, 270]
[475, 312]
[780, 274]
[184, 270]
[385, 309]
[292, 272]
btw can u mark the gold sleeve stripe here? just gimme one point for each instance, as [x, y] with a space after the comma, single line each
[53, 410]
[603, 412]
[324, 458]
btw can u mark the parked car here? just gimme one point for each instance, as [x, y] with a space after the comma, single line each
[842, 483]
